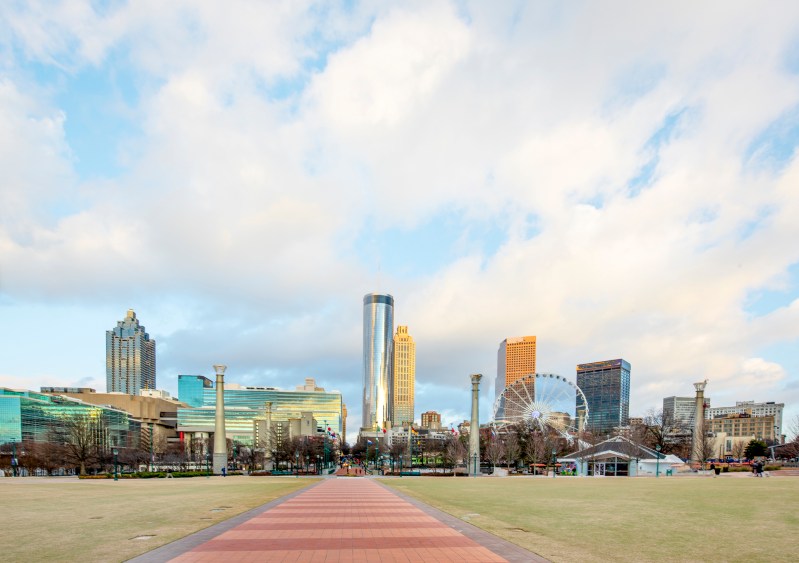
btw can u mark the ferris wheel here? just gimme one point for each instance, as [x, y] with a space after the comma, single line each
[546, 401]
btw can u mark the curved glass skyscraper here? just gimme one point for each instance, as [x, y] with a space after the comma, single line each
[378, 343]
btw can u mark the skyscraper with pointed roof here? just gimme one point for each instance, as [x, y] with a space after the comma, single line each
[129, 357]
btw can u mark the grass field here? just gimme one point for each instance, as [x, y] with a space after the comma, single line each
[619, 519]
[66, 519]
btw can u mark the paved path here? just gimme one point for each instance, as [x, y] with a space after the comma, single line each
[344, 519]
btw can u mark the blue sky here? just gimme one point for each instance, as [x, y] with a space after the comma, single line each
[618, 181]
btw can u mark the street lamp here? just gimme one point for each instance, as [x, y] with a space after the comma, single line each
[657, 461]
[207, 465]
[554, 462]
[296, 464]
[152, 456]
[116, 476]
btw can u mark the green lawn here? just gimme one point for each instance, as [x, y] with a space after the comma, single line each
[622, 519]
[64, 519]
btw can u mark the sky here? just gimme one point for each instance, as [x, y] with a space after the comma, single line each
[619, 179]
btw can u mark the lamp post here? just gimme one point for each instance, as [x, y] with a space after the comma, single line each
[554, 462]
[207, 465]
[296, 464]
[116, 476]
[657, 461]
[152, 456]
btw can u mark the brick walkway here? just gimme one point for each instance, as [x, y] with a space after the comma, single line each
[352, 519]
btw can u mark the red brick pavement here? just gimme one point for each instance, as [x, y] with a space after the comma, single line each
[342, 520]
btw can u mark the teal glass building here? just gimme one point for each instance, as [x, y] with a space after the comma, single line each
[243, 405]
[27, 416]
[191, 389]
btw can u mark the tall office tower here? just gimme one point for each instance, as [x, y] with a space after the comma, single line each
[129, 357]
[679, 412]
[404, 378]
[378, 328]
[606, 386]
[515, 359]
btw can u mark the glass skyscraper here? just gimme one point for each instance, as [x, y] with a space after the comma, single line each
[606, 386]
[378, 344]
[129, 357]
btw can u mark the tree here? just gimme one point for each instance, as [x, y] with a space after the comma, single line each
[397, 452]
[661, 429]
[454, 451]
[755, 448]
[494, 449]
[703, 447]
[738, 449]
[79, 434]
[535, 447]
[512, 447]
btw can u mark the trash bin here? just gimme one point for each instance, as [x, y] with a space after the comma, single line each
[718, 470]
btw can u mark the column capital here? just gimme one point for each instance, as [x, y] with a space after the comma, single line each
[219, 369]
[476, 377]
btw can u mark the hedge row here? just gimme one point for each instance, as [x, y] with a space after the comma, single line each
[149, 475]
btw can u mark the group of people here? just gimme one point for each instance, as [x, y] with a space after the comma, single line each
[757, 468]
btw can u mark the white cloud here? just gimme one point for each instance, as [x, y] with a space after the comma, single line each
[254, 175]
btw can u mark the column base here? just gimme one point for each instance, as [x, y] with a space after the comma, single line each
[220, 461]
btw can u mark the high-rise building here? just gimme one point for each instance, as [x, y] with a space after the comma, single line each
[129, 357]
[378, 329]
[606, 386]
[404, 377]
[431, 420]
[680, 411]
[515, 359]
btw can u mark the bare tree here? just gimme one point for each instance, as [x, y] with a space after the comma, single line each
[494, 449]
[454, 451]
[512, 447]
[533, 445]
[397, 452]
[80, 437]
[738, 449]
[703, 448]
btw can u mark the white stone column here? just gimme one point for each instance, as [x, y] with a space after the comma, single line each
[220, 438]
[699, 421]
[474, 429]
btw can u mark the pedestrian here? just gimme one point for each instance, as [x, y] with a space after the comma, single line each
[759, 468]
[713, 469]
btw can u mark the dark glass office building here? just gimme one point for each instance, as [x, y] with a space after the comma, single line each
[606, 386]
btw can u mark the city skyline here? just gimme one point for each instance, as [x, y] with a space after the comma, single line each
[618, 180]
